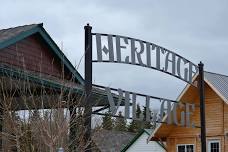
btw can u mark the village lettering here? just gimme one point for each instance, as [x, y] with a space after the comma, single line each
[144, 54]
[168, 110]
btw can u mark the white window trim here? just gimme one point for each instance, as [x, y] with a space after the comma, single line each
[185, 145]
[213, 141]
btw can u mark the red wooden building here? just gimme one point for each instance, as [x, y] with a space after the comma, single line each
[29, 58]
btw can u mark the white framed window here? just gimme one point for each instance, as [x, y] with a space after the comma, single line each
[214, 146]
[185, 148]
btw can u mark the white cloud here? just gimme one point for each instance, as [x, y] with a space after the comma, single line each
[193, 29]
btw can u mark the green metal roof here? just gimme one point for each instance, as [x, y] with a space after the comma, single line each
[22, 75]
[13, 35]
[99, 97]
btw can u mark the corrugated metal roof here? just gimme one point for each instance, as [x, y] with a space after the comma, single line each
[9, 33]
[219, 82]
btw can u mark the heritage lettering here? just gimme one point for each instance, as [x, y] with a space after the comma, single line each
[132, 51]
[167, 114]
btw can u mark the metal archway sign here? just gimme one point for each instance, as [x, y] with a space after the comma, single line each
[110, 49]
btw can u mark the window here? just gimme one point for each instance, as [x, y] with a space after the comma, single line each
[213, 146]
[185, 148]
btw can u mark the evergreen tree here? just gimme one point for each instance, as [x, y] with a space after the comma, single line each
[146, 124]
[120, 123]
[136, 125]
[138, 111]
[107, 122]
[133, 126]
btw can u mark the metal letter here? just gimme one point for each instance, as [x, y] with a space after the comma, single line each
[148, 114]
[127, 105]
[188, 113]
[133, 52]
[179, 67]
[155, 118]
[172, 60]
[148, 54]
[182, 123]
[158, 57]
[182, 113]
[175, 121]
[191, 72]
[104, 49]
[118, 48]
[134, 106]
[162, 111]
[113, 107]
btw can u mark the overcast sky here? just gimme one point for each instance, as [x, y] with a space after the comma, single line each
[194, 29]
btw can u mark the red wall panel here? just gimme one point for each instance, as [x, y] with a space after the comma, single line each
[32, 54]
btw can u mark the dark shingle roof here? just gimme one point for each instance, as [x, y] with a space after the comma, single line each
[112, 141]
[13, 35]
[9, 33]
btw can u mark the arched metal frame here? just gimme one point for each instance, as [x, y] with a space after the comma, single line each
[143, 65]
[88, 85]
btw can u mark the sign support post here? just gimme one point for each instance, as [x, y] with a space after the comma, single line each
[88, 87]
[202, 107]
[179, 65]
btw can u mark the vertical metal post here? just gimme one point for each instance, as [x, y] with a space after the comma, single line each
[202, 107]
[88, 87]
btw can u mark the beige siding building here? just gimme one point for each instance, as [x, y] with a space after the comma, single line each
[182, 139]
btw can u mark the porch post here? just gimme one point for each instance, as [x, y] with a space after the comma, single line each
[202, 107]
[88, 87]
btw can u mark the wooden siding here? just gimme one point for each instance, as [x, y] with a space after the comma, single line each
[216, 123]
[34, 55]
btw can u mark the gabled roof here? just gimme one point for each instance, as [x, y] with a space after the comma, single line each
[7, 34]
[111, 140]
[13, 35]
[147, 131]
[218, 83]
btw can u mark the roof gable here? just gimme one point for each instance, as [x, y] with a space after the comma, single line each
[217, 82]
[147, 132]
[13, 35]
